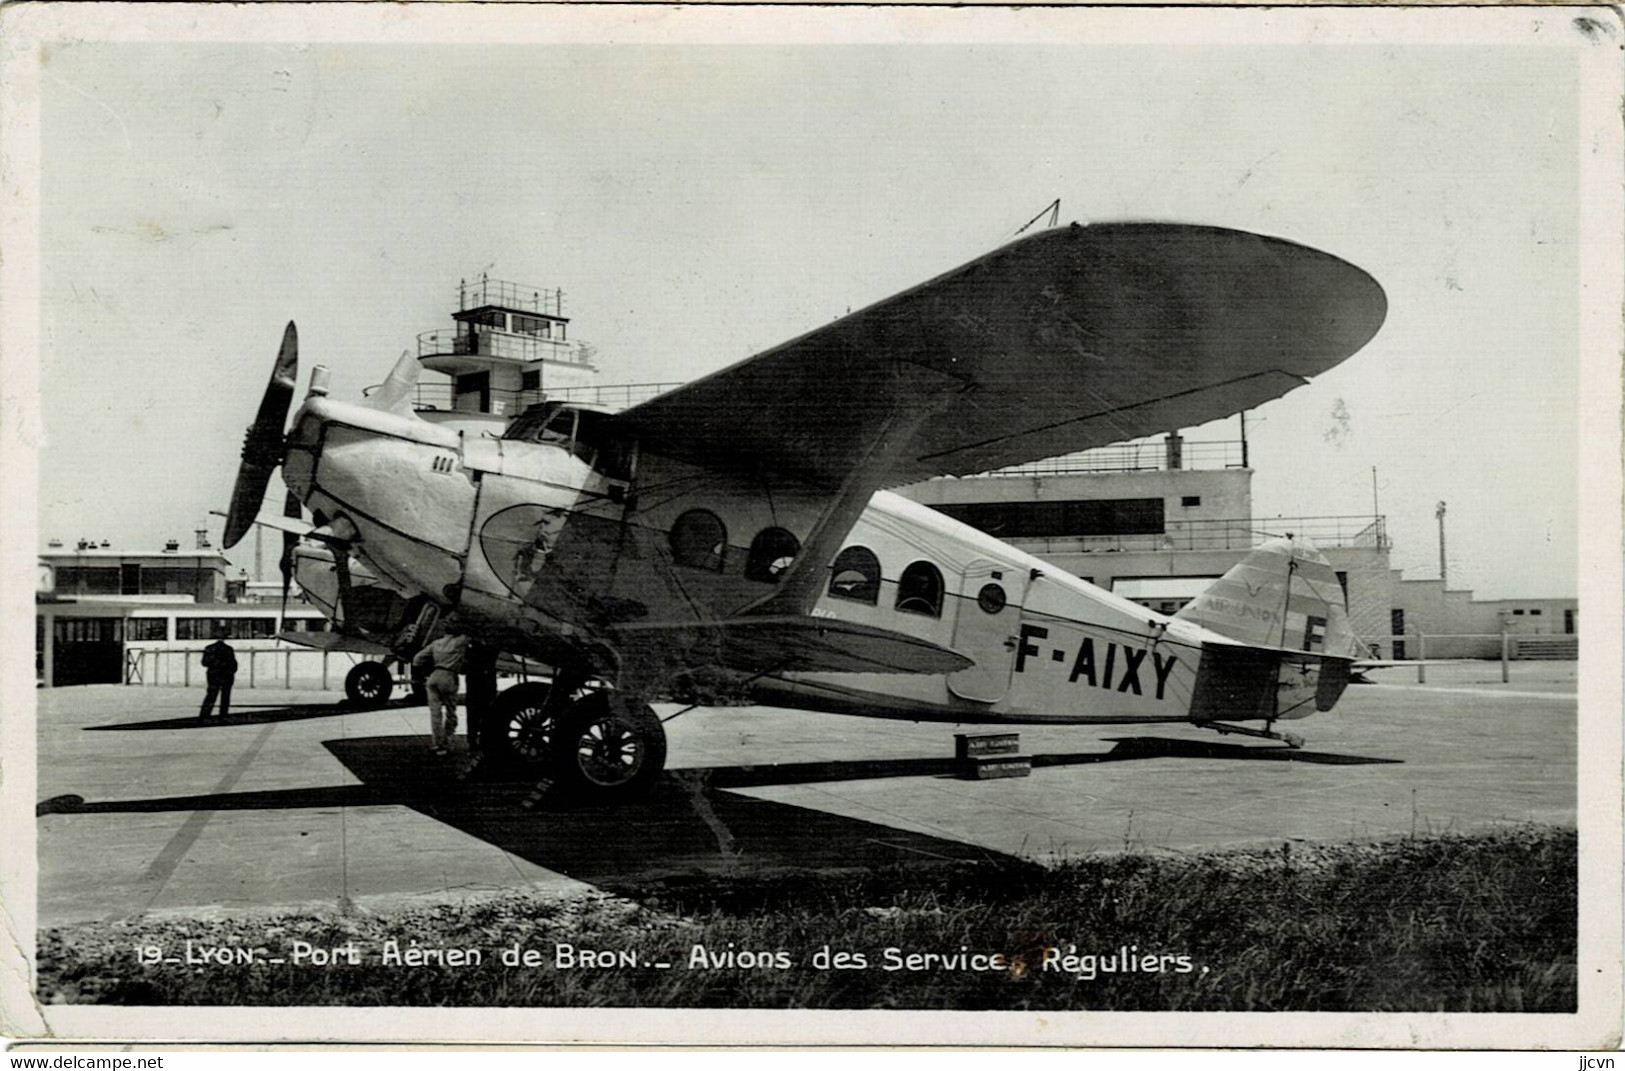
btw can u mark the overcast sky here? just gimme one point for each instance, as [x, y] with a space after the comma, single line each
[700, 203]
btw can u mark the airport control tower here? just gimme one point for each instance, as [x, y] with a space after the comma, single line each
[510, 349]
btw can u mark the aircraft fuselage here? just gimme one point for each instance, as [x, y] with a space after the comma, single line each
[566, 551]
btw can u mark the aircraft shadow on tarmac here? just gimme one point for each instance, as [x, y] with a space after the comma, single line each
[688, 824]
[251, 714]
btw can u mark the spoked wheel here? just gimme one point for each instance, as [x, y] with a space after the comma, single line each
[369, 685]
[605, 753]
[523, 725]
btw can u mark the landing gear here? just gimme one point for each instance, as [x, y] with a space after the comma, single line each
[607, 746]
[522, 723]
[1291, 740]
[582, 739]
[369, 684]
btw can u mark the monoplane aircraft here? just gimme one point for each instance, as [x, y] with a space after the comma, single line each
[742, 521]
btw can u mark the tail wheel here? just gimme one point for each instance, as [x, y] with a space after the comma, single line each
[369, 685]
[605, 751]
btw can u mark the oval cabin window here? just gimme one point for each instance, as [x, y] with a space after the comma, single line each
[699, 539]
[919, 590]
[856, 575]
[771, 553]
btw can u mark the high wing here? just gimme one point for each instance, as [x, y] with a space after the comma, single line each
[1072, 338]
[345, 642]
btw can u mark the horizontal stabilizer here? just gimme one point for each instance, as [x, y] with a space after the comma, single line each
[813, 645]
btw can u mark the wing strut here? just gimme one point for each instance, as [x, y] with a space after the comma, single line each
[803, 581]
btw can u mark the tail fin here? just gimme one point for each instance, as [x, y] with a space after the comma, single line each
[1284, 599]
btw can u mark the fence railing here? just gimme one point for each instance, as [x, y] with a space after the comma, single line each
[280, 667]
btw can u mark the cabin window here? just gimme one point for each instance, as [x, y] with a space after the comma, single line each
[856, 575]
[771, 553]
[919, 590]
[991, 598]
[698, 540]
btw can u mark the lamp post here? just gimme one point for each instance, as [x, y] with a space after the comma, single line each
[1443, 575]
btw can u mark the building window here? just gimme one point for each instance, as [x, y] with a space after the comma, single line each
[771, 553]
[919, 590]
[306, 624]
[530, 381]
[1517, 613]
[1076, 517]
[89, 630]
[856, 575]
[1534, 613]
[1191, 500]
[236, 628]
[698, 540]
[147, 628]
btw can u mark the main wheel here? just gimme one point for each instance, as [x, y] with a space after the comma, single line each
[603, 752]
[522, 725]
[369, 685]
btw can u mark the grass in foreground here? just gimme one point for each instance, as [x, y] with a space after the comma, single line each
[1456, 923]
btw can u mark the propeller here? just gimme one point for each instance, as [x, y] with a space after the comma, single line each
[263, 445]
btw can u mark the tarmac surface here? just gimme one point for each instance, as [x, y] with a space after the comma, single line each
[294, 801]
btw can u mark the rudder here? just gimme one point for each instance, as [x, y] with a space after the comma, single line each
[1285, 600]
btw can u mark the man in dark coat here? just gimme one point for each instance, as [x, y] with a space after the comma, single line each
[220, 670]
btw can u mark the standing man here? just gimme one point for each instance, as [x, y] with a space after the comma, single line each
[220, 670]
[483, 736]
[443, 660]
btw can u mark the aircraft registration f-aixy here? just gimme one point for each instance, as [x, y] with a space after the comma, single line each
[742, 521]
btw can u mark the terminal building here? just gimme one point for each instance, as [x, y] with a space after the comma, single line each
[1153, 520]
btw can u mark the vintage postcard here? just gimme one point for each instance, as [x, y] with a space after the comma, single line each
[774, 525]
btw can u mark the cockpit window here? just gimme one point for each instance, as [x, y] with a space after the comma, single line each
[586, 433]
[560, 428]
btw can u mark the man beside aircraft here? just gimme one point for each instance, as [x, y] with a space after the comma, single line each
[443, 660]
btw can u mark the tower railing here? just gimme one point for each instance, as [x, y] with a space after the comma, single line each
[489, 342]
[483, 291]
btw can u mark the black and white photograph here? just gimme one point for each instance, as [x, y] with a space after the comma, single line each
[720, 524]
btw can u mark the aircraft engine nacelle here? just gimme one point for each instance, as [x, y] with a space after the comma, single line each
[398, 480]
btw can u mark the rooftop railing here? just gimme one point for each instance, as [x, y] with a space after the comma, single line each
[1236, 533]
[614, 396]
[1150, 456]
[439, 397]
